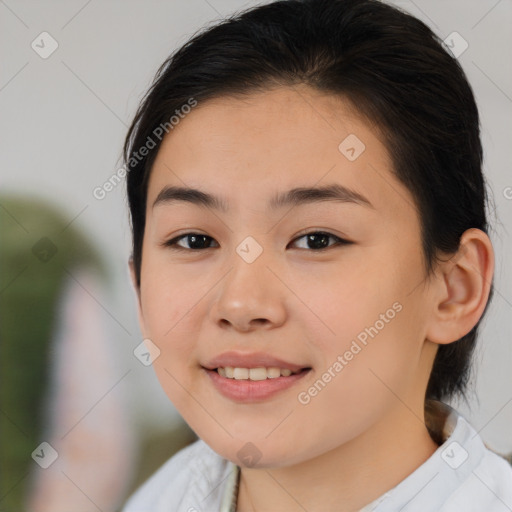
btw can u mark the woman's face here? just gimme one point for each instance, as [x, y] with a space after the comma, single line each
[353, 315]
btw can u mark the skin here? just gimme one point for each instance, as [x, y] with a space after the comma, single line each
[364, 432]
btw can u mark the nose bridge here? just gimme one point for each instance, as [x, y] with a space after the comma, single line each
[250, 292]
[249, 277]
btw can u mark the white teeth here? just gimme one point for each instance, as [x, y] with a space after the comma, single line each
[257, 373]
[241, 373]
[260, 373]
[273, 373]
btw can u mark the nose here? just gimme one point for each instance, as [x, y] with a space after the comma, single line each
[250, 297]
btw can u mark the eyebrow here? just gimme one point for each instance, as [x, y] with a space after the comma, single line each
[294, 197]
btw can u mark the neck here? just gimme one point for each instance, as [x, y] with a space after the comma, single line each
[346, 478]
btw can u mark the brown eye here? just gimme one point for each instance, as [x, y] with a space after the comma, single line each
[196, 241]
[319, 240]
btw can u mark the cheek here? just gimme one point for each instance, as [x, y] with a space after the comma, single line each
[348, 301]
[173, 305]
[167, 294]
[370, 318]
[357, 381]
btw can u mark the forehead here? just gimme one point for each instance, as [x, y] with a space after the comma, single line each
[247, 150]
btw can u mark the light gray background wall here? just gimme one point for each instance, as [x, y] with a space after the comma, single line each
[63, 120]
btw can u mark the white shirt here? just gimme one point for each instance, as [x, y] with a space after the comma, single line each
[462, 475]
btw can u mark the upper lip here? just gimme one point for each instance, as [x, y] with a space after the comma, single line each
[250, 360]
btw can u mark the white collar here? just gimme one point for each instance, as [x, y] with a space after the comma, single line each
[441, 421]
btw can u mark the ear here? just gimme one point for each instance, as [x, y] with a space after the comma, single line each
[461, 288]
[137, 291]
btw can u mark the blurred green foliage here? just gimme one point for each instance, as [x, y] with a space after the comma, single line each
[39, 250]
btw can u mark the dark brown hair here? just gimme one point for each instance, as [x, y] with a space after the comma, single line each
[389, 65]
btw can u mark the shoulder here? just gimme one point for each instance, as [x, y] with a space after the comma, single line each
[188, 482]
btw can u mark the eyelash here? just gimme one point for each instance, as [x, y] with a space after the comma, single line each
[172, 244]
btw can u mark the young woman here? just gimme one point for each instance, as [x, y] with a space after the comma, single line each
[311, 260]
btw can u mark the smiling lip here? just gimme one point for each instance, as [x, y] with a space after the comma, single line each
[249, 391]
[250, 360]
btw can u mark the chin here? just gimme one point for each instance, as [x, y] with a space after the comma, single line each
[256, 454]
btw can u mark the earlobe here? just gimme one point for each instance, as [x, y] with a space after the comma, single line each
[463, 287]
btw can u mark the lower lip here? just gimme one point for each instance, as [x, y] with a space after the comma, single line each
[253, 390]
